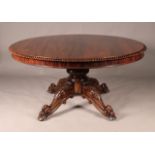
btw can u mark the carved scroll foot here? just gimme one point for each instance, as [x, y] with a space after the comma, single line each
[109, 113]
[103, 88]
[44, 113]
[52, 88]
[94, 97]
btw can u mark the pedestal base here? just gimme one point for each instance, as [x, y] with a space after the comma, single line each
[78, 83]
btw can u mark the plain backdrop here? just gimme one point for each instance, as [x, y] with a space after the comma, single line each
[23, 87]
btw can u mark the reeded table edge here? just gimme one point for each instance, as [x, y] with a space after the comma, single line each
[81, 64]
[76, 60]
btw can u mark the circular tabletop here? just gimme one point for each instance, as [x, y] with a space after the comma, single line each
[77, 51]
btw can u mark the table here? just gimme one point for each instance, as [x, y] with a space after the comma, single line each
[77, 54]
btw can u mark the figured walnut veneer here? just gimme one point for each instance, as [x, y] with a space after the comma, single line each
[77, 53]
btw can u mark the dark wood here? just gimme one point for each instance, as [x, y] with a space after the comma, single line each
[66, 51]
[78, 83]
[77, 54]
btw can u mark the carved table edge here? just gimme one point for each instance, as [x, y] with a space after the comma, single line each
[90, 64]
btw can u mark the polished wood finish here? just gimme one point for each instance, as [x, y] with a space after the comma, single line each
[66, 51]
[77, 65]
[77, 53]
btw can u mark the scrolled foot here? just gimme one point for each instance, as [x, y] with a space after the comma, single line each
[109, 113]
[104, 88]
[93, 96]
[44, 113]
[52, 88]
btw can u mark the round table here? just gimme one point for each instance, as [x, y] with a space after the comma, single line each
[77, 54]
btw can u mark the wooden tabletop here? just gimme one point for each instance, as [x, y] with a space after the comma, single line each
[77, 51]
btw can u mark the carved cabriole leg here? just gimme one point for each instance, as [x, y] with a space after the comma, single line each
[53, 88]
[59, 98]
[94, 97]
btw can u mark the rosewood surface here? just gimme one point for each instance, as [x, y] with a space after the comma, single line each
[66, 51]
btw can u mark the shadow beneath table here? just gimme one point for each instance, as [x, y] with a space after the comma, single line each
[82, 107]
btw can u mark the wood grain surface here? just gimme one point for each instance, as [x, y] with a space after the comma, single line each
[77, 51]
